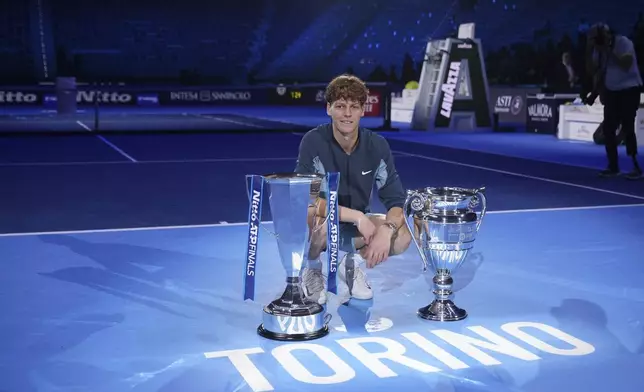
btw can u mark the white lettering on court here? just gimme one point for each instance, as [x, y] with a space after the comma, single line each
[246, 368]
[341, 371]
[394, 352]
[434, 350]
[468, 344]
[579, 346]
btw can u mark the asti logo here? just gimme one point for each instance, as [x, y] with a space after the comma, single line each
[503, 101]
[378, 353]
[449, 87]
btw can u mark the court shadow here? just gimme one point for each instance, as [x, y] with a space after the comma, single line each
[557, 372]
[160, 279]
[355, 315]
[37, 347]
[577, 373]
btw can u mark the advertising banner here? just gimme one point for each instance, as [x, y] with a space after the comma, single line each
[510, 103]
[543, 112]
[115, 96]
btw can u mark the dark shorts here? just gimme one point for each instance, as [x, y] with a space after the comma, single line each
[348, 232]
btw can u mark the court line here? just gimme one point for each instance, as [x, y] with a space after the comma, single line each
[211, 117]
[212, 160]
[522, 175]
[208, 160]
[210, 225]
[115, 147]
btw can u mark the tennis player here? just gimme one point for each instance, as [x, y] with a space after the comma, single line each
[363, 158]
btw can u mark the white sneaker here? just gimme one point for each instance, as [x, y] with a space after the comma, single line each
[359, 288]
[314, 285]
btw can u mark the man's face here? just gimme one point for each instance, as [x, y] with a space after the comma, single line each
[599, 39]
[345, 115]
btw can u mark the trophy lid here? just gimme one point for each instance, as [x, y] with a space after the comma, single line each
[451, 194]
[293, 177]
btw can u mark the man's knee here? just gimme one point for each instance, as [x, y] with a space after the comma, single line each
[401, 241]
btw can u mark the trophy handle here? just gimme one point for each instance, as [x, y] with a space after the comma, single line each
[480, 194]
[409, 216]
[248, 176]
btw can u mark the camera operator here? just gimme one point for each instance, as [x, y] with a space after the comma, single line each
[612, 63]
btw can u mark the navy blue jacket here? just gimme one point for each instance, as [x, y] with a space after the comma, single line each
[371, 162]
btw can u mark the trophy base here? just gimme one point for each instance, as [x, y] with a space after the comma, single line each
[442, 310]
[294, 327]
[294, 318]
[285, 337]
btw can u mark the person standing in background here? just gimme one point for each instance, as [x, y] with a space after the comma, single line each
[618, 83]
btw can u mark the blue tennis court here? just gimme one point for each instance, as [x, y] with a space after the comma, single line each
[123, 263]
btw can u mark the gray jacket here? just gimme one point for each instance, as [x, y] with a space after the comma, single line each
[371, 162]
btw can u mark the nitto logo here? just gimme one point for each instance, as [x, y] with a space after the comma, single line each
[448, 89]
[17, 97]
[104, 97]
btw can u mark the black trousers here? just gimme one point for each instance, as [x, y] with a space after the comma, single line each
[620, 108]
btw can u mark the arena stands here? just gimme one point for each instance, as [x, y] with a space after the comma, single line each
[286, 41]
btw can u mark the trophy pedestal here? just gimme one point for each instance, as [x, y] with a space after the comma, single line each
[294, 318]
[442, 310]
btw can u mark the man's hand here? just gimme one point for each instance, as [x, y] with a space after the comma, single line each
[378, 249]
[366, 228]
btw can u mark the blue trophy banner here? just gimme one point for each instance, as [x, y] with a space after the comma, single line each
[255, 197]
[333, 230]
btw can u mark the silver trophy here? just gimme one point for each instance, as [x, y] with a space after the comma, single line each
[444, 225]
[292, 317]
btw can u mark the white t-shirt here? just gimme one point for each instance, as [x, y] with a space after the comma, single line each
[616, 77]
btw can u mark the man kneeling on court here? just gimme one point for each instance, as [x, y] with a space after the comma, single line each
[362, 157]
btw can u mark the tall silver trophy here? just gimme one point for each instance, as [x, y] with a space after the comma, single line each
[291, 317]
[444, 226]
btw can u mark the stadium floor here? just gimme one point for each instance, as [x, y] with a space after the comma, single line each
[123, 264]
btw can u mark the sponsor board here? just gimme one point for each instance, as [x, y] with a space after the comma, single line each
[19, 98]
[197, 96]
[510, 103]
[543, 112]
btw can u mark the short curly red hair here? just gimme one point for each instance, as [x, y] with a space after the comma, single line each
[348, 87]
